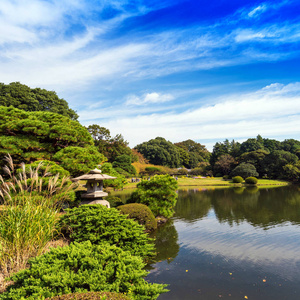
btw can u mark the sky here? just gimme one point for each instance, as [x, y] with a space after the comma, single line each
[179, 69]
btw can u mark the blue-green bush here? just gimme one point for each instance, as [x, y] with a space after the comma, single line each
[83, 267]
[97, 223]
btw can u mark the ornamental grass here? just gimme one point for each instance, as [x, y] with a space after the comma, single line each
[28, 215]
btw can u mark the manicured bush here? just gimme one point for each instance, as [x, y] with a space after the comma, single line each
[114, 201]
[225, 177]
[244, 170]
[83, 267]
[140, 213]
[97, 223]
[251, 180]
[91, 296]
[159, 194]
[237, 179]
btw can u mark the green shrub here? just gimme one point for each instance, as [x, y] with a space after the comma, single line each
[83, 267]
[237, 179]
[97, 223]
[244, 170]
[140, 213]
[114, 201]
[159, 194]
[225, 177]
[251, 180]
[91, 296]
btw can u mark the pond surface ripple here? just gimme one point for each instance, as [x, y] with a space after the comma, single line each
[231, 244]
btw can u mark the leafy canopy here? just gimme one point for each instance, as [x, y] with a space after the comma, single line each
[23, 97]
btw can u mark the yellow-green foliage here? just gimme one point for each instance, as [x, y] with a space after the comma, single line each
[140, 213]
[91, 296]
[97, 223]
[251, 180]
[158, 193]
[83, 267]
[237, 179]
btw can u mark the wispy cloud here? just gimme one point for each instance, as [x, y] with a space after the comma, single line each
[272, 109]
[149, 98]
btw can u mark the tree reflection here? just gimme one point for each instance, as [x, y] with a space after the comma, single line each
[166, 241]
[192, 204]
[259, 207]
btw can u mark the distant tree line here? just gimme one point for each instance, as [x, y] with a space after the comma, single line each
[35, 124]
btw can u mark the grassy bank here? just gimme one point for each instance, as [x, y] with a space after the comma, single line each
[216, 182]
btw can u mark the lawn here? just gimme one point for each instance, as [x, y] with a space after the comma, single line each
[215, 182]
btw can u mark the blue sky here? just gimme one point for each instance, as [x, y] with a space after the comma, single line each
[200, 70]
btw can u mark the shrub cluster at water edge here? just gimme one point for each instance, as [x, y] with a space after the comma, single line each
[251, 180]
[140, 213]
[83, 267]
[237, 179]
[97, 223]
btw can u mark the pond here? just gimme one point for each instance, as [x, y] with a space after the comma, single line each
[236, 243]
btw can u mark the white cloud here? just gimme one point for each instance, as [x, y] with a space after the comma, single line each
[257, 11]
[149, 98]
[271, 111]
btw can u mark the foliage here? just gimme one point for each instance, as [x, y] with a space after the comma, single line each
[152, 171]
[160, 152]
[45, 167]
[251, 180]
[83, 267]
[193, 153]
[111, 147]
[28, 221]
[252, 145]
[79, 160]
[91, 296]
[114, 201]
[274, 162]
[224, 164]
[124, 162]
[159, 193]
[140, 213]
[255, 158]
[232, 148]
[237, 179]
[117, 183]
[30, 136]
[244, 170]
[23, 97]
[97, 224]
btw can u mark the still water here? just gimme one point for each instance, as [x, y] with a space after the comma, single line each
[241, 243]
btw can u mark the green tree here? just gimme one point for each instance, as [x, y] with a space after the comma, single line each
[252, 145]
[255, 158]
[23, 97]
[224, 164]
[31, 136]
[117, 183]
[79, 160]
[244, 170]
[123, 162]
[160, 152]
[159, 193]
[195, 153]
[274, 162]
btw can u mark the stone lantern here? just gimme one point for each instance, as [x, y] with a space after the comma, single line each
[94, 187]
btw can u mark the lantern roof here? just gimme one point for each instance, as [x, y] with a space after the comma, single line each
[94, 175]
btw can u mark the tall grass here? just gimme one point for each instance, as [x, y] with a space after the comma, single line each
[28, 215]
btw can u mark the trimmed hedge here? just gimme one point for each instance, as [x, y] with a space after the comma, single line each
[251, 180]
[91, 296]
[140, 213]
[97, 223]
[83, 267]
[237, 179]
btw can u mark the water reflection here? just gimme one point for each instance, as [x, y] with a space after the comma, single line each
[259, 207]
[231, 243]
